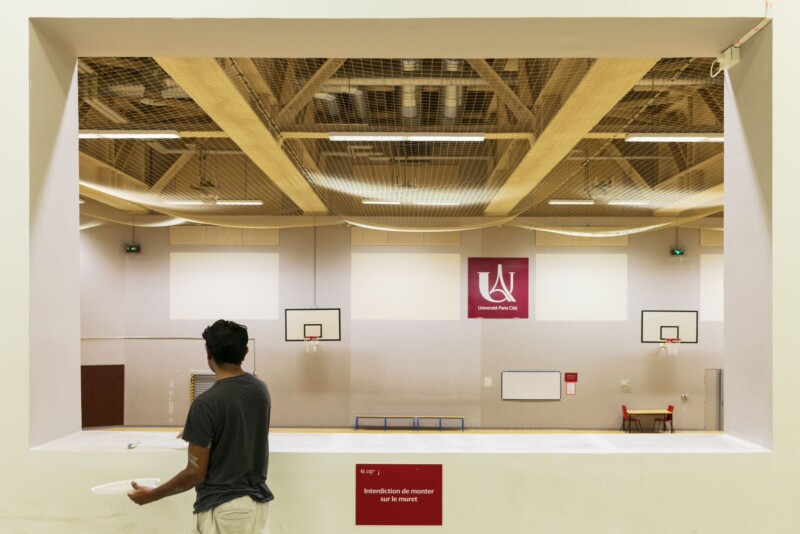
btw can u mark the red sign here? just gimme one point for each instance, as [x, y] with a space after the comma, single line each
[498, 288]
[570, 377]
[398, 494]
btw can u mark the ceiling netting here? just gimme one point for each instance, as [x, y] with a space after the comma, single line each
[316, 141]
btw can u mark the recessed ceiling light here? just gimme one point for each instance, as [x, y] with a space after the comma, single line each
[570, 202]
[628, 203]
[128, 134]
[457, 138]
[676, 138]
[240, 202]
[381, 202]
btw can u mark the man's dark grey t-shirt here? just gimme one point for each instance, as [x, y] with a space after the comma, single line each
[232, 419]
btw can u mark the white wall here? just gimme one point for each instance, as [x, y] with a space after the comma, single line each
[405, 364]
[748, 243]
[55, 353]
[102, 274]
[667, 492]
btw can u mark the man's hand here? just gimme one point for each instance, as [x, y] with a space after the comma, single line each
[141, 494]
[193, 474]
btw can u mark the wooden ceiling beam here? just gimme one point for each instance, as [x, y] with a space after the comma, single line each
[88, 191]
[502, 90]
[711, 197]
[171, 173]
[306, 93]
[603, 85]
[637, 179]
[257, 82]
[207, 83]
[672, 181]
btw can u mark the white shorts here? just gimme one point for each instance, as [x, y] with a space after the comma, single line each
[239, 516]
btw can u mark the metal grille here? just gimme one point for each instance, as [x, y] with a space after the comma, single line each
[201, 382]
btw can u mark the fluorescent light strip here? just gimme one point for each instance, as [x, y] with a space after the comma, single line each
[381, 202]
[677, 138]
[628, 203]
[128, 134]
[240, 202]
[476, 138]
[569, 202]
[436, 203]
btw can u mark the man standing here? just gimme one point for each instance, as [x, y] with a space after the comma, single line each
[227, 430]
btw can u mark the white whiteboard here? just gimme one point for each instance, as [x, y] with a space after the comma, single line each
[530, 385]
[658, 325]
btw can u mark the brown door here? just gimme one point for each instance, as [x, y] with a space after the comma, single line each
[102, 395]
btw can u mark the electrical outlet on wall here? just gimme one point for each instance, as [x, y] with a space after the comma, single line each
[487, 381]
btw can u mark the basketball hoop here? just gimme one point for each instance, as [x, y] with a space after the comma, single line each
[312, 342]
[671, 344]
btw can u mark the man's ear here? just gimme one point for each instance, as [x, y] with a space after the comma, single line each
[208, 353]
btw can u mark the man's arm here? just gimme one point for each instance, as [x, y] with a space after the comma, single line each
[193, 474]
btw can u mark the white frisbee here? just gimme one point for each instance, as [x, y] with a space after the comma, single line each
[123, 487]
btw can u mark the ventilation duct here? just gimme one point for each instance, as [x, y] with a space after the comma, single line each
[360, 105]
[331, 103]
[409, 101]
[408, 92]
[451, 96]
[451, 99]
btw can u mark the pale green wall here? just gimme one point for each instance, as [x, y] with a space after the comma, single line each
[657, 493]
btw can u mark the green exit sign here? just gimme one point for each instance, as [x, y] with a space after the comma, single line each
[678, 252]
[133, 249]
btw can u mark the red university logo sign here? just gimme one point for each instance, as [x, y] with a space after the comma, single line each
[497, 288]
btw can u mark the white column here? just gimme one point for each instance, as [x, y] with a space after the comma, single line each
[54, 248]
[747, 377]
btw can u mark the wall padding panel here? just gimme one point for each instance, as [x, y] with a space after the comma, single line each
[712, 291]
[581, 287]
[187, 235]
[550, 239]
[712, 238]
[410, 287]
[221, 235]
[213, 285]
[364, 237]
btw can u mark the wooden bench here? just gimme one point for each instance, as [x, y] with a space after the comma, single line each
[440, 417]
[414, 419]
[386, 419]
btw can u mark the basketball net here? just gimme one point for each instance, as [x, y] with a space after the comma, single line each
[312, 342]
[671, 344]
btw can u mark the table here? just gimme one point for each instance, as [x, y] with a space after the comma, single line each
[649, 412]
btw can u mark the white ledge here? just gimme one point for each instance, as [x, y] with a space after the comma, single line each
[448, 442]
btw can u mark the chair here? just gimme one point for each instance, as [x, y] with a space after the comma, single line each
[628, 418]
[662, 421]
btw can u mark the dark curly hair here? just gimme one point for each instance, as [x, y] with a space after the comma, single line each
[226, 342]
